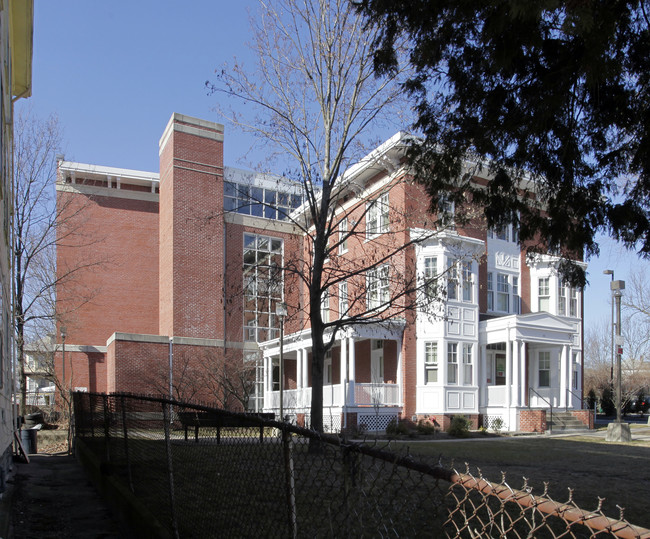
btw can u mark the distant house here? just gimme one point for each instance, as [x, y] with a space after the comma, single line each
[16, 29]
[182, 278]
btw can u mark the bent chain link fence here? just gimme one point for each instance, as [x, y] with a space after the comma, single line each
[203, 472]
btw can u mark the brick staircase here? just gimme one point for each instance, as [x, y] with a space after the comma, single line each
[565, 422]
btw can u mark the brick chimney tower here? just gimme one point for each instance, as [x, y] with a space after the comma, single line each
[191, 228]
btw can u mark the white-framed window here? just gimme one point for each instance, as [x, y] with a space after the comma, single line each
[544, 369]
[509, 233]
[325, 306]
[259, 201]
[430, 276]
[377, 286]
[573, 302]
[503, 293]
[446, 213]
[466, 273]
[467, 364]
[544, 294]
[561, 299]
[377, 216]
[343, 299]
[576, 372]
[490, 291]
[327, 368]
[452, 279]
[263, 285]
[343, 236]
[430, 362]
[452, 363]
[516, 298]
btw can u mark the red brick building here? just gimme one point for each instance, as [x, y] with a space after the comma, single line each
[171, 282]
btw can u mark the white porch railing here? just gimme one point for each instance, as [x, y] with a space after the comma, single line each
[364, 394]
[377, 394]
[496, 395]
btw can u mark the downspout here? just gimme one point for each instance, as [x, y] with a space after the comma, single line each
[171, 367]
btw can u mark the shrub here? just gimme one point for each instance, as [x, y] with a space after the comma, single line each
[426, 426]
[459, 427]
[399, 426]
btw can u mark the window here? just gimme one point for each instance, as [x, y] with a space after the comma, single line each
[452, 363]
[516, 299]
[377, 216]
[576, 372]
[343, 236]
[452, 280]
[508, 233]
[263, 286]
[490, 291]
[467, 364]
[467, 281]
[325, 306]
[259, 201]
[430, 362]
[377, 287]
[446, 212]
[544, 359]
[503, 293]
[561, 300]
[502, 233]
[343, 299]
[430, 277]
[573, 302]
[544, 294]
[327, 368]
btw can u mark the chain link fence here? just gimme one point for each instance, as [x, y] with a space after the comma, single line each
[203, 472]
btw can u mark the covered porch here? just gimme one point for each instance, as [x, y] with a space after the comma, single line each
[528, 362]
[361, 376]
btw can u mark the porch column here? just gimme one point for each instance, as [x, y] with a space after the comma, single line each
[523, 390]
[344, 370]
[563, 375]
[352, 371]
[299, 369]
[516, 376]
[508, 371]
[482, 375]
[398, 374]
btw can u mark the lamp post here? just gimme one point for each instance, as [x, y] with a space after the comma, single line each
[611, 368]
[63, 331]
[617, 291]
[281, 313]
[618, 431]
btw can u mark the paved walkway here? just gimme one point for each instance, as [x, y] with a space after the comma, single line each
[53, 498]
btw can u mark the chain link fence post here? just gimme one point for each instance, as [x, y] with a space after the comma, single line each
[107, 431]
[126, 443]
[287, 448]
[170, 466]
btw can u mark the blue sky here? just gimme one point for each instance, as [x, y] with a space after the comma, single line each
[114, 72]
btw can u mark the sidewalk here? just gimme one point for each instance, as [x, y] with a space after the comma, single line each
[53, 498]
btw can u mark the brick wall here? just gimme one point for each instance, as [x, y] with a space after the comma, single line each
[532, 421]
[107, 265]
[586, 416]
[191, 247]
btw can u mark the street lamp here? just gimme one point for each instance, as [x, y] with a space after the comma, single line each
[617, 291]
[63, 330]
[611, 368]
[281, 313]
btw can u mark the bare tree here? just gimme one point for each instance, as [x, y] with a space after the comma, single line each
[316, 100]
[39, 225]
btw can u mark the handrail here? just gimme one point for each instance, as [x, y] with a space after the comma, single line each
[566, 408]
[550, 424]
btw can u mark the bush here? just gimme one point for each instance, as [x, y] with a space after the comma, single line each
[401, 426]
[426, 426]
[459, 427]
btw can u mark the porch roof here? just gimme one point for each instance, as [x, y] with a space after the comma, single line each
[378, 329]
[539, 327]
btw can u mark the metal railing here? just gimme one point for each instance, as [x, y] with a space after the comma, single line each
[245, 476]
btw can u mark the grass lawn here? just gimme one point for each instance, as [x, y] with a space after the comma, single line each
[591, 467]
